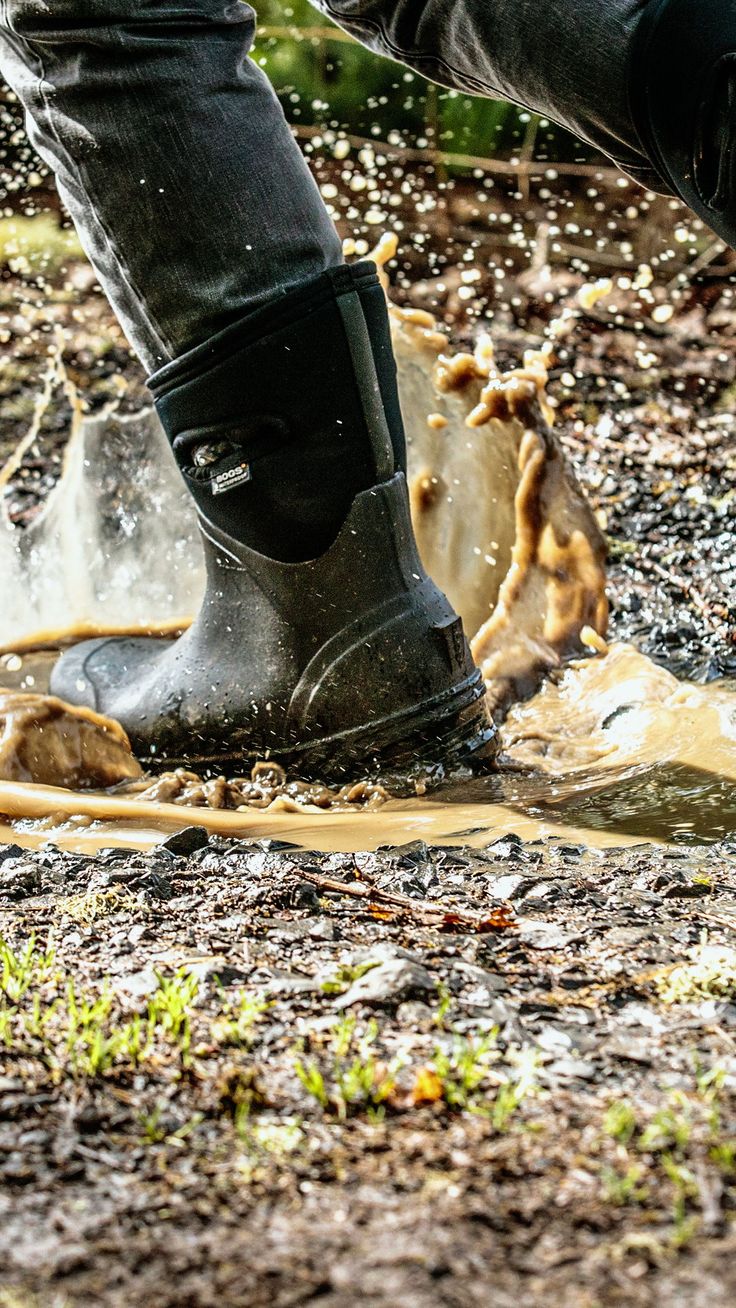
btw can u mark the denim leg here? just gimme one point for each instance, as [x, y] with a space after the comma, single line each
[566, 59]
[173, 157]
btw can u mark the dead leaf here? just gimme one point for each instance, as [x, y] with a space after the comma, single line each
[427, 1088]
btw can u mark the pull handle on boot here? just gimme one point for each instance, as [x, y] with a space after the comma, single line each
[279, 421]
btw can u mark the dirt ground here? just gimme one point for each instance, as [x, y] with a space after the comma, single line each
[223, 1079]
[225, 1084]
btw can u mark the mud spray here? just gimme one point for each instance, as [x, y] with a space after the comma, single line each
[599, 745]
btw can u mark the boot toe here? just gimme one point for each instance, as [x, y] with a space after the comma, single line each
[93, 672]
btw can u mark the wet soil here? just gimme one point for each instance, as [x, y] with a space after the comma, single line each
[355, 1101]
[223, 1080]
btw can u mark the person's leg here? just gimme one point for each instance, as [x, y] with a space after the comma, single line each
[683, 97]
[651, 83]
[568, 61]
[321, 640]
[173, 157]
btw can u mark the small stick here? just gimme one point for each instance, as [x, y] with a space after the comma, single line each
[447, 919]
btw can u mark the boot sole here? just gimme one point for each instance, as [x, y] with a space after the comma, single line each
[428, 742]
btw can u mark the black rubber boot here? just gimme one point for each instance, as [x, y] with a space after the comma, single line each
[321, 641]
[683, 100]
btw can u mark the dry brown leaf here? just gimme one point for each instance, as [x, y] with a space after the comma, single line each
[427, 1088]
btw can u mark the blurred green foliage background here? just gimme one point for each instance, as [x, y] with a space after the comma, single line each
[324, 78]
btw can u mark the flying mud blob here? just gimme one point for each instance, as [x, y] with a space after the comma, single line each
[48, 742]
[501, 524]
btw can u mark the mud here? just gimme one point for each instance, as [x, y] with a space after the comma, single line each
[500, 522]
[557, 1117]
[612, 749]
[45, 741]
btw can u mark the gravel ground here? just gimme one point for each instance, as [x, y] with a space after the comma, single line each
[242, 1087]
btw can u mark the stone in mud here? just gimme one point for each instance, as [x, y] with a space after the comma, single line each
[393, 979]
[186, 842]
[46, 741]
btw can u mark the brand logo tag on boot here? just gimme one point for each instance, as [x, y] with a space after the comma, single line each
[232, 477]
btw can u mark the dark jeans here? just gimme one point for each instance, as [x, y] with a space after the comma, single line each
[173, 156]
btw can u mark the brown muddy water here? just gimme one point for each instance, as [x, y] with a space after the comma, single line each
[613, 751]
[599, 745]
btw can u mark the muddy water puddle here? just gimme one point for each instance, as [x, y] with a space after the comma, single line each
[669, 803]
[611, 751]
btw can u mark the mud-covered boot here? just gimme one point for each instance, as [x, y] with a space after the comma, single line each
[321, 641]
[682, 85]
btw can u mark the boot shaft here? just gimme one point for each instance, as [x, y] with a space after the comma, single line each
[279, 421]
[682, 84]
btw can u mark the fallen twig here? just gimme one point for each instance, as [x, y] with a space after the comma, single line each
[388, 903]
[506, 167]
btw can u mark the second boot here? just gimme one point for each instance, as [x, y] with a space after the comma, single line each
[682, 89]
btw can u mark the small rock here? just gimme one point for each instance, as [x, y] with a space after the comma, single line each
[491, 982]
[138, 985]
[232, 922]
[543, 890]
[157, 886]
[185, 842]
[322, 929]
[416, 851]
[10, 851]
[381, 952]
[509, 886]
[279, 982]
[630, 1050]
[18, 879]
[552, 1039]
[226, 974]
[572, 1069]
[686, 890]
[414, 1013]
[545, 935]
[393, 979]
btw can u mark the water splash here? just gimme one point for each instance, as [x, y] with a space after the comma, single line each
[500, 522]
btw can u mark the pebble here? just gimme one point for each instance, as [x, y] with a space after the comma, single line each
[571, 1069]
[688, 890]
[138, 985]
[185, 842]
[544, 890]
[509, 886]
[545, 935]
[491, 982]
[392, 979]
